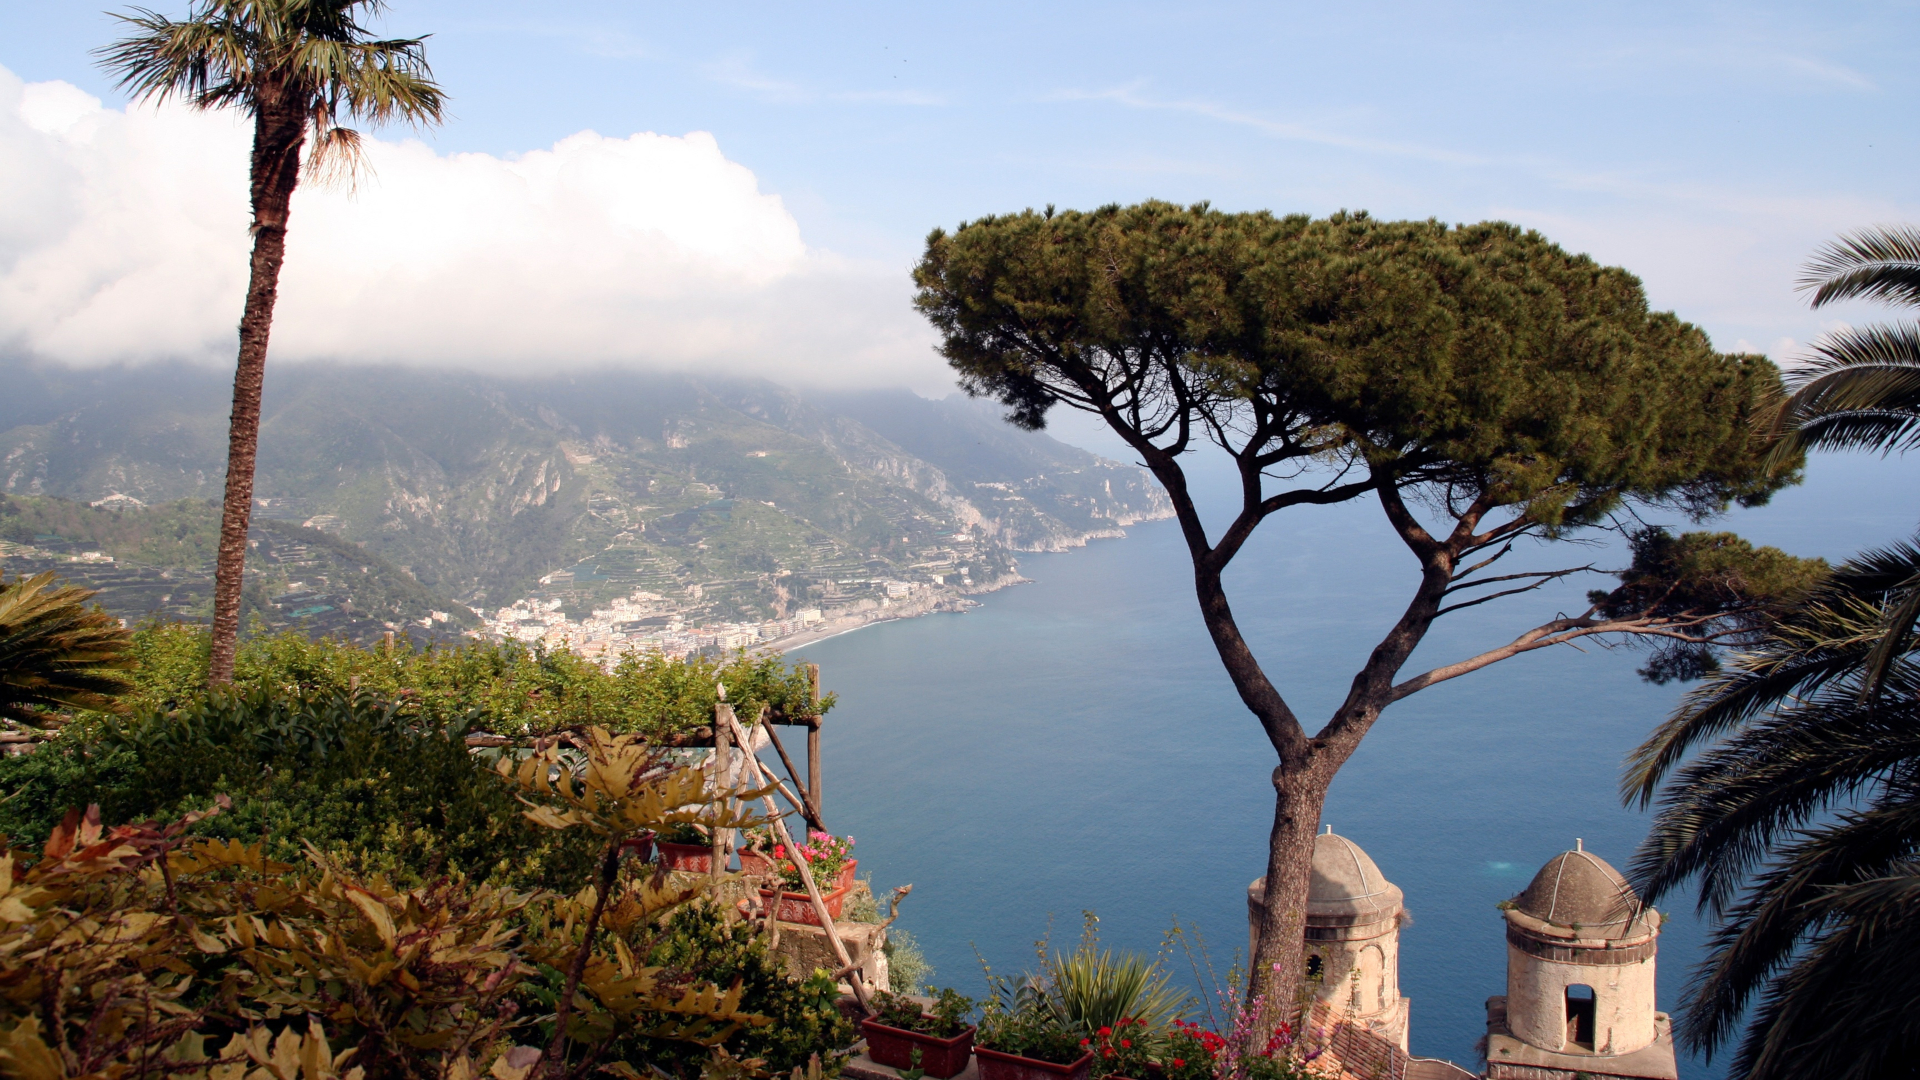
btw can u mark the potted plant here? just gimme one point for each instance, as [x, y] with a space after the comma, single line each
[942, 1038]
[826, 858]
[1189, 1051]
[685, 847]
[829, 857]
[1023, 1040]
[1120, 1050]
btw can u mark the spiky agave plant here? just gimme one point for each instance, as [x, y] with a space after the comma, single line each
[1092, 988]
[56, 652]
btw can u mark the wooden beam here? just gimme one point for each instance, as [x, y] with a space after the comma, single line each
[807, 806]
[813, 747]
[722, 780]
[820, 912]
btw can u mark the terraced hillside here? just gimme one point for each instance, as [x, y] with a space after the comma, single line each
[157, 562]
[746, 497]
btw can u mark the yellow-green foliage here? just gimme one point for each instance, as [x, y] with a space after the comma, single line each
[140, 951]
[506, 688]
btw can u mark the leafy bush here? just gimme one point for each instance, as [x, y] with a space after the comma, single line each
[699, 943]
[907, 967]
[948, 1018]
[508, 688]
[1188, 1051]
[1030, 1033]
[374, 785]
[128, 953]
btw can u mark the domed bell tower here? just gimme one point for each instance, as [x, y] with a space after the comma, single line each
[1352, 938]
[1580, 979]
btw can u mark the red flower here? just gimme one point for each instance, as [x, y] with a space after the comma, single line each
[1084, 1042]
[1109, 1051]
[1105, 1031]
[1128, 1043]
[1179, 1063]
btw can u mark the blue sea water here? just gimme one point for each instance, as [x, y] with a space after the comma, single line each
[1074, 744]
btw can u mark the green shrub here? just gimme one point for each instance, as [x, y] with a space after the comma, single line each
[375, 785]
[131, 952]
[507, 688]
[907, 966]
[700, 945]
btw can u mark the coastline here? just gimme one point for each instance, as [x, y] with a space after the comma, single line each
[954, 603]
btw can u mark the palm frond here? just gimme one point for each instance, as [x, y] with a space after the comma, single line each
[1828, 645]
[231, 52]
[1724, 811]
[55, 652]
[1828, 636]
[1879, 263]
[1846, 1008]
[1786, 907]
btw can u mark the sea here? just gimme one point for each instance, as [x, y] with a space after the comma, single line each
[1073, 745]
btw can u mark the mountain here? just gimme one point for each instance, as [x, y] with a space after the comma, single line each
[743, 497]
[149, 561]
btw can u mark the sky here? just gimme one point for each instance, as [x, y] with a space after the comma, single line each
[745, 186]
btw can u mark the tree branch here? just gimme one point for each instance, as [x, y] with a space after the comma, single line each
[1560, 632]
[1474, 584]
[1544, 576]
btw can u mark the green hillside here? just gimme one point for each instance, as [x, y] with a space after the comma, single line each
[746, 497]
[157, 561]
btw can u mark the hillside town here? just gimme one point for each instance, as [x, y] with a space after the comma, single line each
[646, 622]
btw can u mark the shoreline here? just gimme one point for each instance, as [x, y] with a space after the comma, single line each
[938, 605]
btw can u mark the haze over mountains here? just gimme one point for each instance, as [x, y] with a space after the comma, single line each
[750, 497]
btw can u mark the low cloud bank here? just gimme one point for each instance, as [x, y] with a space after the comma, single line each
[123, 237]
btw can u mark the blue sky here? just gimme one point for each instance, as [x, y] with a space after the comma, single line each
[1708, 148]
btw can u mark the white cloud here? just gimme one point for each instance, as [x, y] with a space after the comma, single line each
[123, 236]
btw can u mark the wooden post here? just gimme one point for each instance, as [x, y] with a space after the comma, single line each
[856, 978]
[806, 805]
[722, 779]
[814, 794]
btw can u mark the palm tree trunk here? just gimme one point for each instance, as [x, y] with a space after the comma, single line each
[279, 130]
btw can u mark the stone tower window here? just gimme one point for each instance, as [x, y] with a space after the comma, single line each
[1316, 967]
[1580, 1015]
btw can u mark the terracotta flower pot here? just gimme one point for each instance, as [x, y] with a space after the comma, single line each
[995, 1065]
[691, 858]
[755, 862]
[639, 846]
[893, 1047]
[795, 907]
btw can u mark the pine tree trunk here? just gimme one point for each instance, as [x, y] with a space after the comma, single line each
[1277, 971]
[279, 129]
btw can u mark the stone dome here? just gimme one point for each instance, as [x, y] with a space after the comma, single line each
[1346, 886]
[1578, 888]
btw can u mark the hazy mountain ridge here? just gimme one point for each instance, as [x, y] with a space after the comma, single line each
[480, 486]
[147, 561]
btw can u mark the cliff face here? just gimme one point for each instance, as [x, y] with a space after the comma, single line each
[480, 486]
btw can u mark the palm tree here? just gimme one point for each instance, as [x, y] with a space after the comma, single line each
[1801, 823]
[55, 652]
[298, 68]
